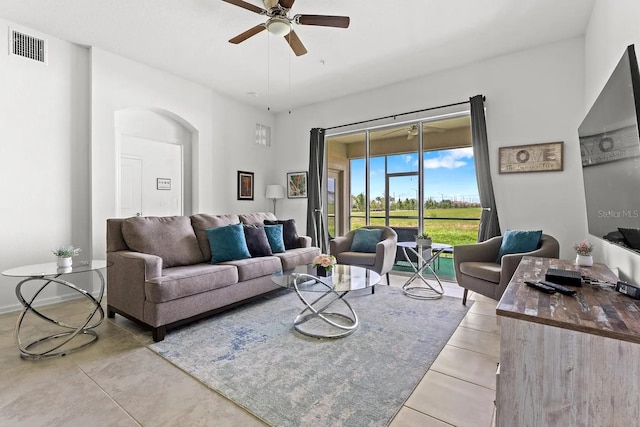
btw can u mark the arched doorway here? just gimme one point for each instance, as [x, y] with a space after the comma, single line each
[154, 164]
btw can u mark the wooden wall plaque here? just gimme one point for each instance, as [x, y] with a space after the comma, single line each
[531, 158]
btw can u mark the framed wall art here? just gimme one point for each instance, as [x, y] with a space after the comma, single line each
[545, 157]
[296, 185]
[245, 185]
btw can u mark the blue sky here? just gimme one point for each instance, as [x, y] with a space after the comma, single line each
[449, 174]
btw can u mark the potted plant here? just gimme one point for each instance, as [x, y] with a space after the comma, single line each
[324, 264]
[423, 240]
[65, 255]
[583, 253]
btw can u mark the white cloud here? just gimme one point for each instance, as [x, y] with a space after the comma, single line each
[450, 159]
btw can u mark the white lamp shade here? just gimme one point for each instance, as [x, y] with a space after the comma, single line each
[274, 191]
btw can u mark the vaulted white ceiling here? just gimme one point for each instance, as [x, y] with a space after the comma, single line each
[387, 41]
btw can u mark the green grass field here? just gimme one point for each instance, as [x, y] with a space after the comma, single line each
[456, 229]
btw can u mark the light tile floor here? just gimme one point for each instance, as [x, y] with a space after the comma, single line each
[117, 381]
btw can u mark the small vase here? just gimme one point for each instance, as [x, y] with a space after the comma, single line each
[65, 262]
[323, 271]
[584, 260]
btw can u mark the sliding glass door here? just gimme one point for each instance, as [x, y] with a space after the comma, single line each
[419, 175]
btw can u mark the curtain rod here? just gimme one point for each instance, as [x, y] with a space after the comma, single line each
[402, 114]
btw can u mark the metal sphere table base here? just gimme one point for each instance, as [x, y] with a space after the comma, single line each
[422, 289]
[59, 340]
[423, 292]
[317, 310]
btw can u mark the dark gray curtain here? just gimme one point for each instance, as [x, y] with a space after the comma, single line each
[489, 225]
[316, 227]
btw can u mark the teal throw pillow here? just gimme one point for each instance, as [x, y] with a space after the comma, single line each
[275, 237]
[227, 243]
[366, 239]
[519, 241]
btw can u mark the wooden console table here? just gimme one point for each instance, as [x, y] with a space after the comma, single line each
[567, 360]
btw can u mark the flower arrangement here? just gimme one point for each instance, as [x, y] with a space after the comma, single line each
[325, 261]
[583, 248]
[66, 252]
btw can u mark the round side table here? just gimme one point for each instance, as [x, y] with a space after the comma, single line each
[424, 290]
[50, 273]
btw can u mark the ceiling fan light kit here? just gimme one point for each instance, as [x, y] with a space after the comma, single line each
[279, 27]
[279, 23]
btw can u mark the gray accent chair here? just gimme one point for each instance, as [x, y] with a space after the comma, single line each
[406, 234]
[381, 261]
[477, 268]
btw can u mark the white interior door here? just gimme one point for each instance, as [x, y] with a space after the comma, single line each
[130, 187]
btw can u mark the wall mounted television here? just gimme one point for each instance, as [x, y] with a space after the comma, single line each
[610, 152]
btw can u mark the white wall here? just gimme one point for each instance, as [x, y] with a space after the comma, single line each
[224, 132]
[533, 96]
[57, 124]
[44, 158]
[613, 26]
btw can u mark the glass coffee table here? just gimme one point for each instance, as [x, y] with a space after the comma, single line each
[315, 320]
[50, 273]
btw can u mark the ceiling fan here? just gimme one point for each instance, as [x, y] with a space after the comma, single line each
[279, 22]
[412, 131]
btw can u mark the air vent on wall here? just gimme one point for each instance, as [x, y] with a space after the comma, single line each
[27, 46]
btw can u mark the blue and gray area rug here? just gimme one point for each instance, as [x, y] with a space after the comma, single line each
[253, 356]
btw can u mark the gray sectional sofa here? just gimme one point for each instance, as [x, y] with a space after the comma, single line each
[161, 273]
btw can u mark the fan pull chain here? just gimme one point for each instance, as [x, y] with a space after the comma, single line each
[289, 79]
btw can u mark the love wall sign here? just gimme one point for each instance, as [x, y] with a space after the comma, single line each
[531, 158]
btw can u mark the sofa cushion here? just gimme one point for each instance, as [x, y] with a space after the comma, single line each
[631, 237]
[487, 271]
[275, 237]
[289, 231]
[202, 222]
[257, 218]
[356, 258]
[257, 241]
[366, 239]
[252, 268]
[227, 243]
[171, 238]
[295, 257]
[179, 282]
[519, 241]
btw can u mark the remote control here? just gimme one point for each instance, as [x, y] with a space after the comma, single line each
[540, 287]
[559, 288]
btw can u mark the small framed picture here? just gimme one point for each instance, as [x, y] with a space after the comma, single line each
[296, 185]
[163, 183]
[245, 185]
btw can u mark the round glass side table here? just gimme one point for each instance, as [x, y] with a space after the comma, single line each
[50, 273]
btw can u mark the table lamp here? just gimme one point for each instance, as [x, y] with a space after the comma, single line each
[275, 192]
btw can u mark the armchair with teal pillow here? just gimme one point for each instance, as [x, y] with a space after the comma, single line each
[369, 247]
[487, 267]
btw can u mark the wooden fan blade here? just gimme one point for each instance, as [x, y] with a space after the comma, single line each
[249, 33]
[295, 43]
[323, 20]
[287, 4]
[248, 6]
